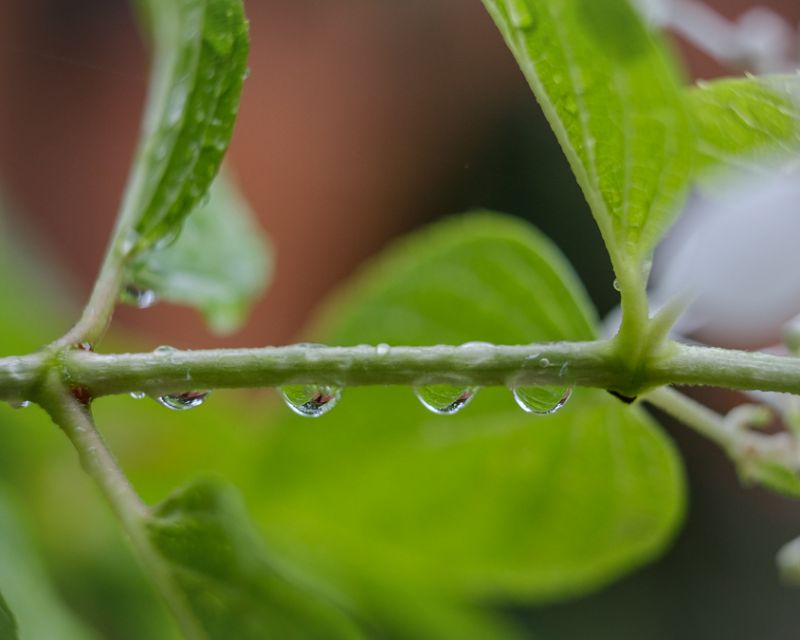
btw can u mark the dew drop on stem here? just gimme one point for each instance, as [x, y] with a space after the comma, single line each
[20, 404]
[184, 401]
[138, 297]
[310, 400]
[138, 395]
[445, 399]
[163, 350]
[542, 400]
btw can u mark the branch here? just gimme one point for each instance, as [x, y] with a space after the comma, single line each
[589, 364]
[76, 421]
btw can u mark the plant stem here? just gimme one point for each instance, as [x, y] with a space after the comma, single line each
[76, 421]
[97, 314]
[589, 364]
[705, 421]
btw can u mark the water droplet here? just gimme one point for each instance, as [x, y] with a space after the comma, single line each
[542, 401]
[383, 349]
[164, 350]
[476, 345]
[445, 399]
[129, 242]
[84, 346]
[138, 395]
[617, 286]
[310, 400]
[544, 363]
[20, 404]
[520, 14]
[138, 297]
[184, 401]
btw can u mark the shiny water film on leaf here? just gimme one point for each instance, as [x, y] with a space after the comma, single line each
[611, 93]
[199, 65]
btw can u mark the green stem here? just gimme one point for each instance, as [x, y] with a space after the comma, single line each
[705, 421]
[98, 311]
[76, 421]
[588, 364]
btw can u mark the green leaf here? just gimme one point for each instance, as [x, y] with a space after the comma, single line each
[745, 124]
[233, 588]
[491, 502]
[39, 611]
[612, 96]
[220, 263]
[200, 62]
[8, 625]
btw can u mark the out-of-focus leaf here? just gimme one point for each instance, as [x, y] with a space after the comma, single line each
[491, 502]
[232, 587]
[612, 97]
[746, 125]
[38, 610]
[220, 263]
[200, 61]
[8, 625]
[39, 310]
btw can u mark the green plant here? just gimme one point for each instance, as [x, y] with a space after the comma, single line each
[588, 494]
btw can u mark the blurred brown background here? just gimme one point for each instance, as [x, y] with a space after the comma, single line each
[362, 119]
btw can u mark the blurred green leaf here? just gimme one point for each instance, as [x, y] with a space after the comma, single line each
[233, 588]
[8, 625]
[200, 62]
[29, 279]
[746, 124]
[220, 263]
[611, 94]
[38, 610]
[490, 503]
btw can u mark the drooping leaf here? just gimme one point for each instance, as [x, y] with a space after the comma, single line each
[491, 502]
[199, 65]
[232, 587]
[611, 95]
[38, 610]
[8, 625]
[746, 125]
[220, 263]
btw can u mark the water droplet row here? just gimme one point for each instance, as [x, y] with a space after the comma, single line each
[315, 400]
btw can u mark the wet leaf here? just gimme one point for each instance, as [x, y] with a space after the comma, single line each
[220, 263]
[199, 65]
[612, 96]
